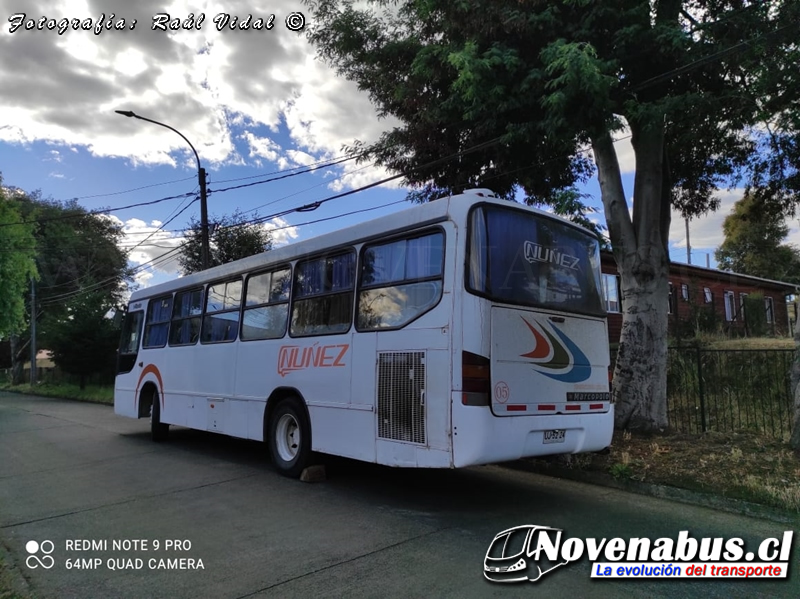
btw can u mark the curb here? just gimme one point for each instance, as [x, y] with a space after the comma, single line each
[717, 502]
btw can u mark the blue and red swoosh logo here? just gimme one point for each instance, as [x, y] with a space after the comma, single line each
[555, 351]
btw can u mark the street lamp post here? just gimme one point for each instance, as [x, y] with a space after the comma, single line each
[201, 176]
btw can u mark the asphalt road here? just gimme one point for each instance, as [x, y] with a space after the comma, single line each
[72, 473]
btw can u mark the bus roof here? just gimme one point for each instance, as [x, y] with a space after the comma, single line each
[431, 212]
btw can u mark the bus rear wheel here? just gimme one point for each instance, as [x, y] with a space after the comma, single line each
[158, 430]
[290, 438]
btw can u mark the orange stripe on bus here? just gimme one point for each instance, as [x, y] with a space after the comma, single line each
[150, 368]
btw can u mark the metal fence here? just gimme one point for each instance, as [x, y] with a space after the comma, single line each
[730, 390]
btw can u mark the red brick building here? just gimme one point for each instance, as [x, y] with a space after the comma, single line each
[710, 299]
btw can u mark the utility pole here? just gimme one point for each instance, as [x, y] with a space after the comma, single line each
[33, 332]
[205, 251]
[688, 245]
[201, 179]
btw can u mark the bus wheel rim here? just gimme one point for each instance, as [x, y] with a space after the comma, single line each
[287, 437]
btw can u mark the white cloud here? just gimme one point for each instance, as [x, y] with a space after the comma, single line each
[300, 158]
[150, 249]
[623, 148]
[282, 232]
[201, 82]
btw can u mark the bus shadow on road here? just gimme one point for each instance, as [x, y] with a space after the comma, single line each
[476, 489]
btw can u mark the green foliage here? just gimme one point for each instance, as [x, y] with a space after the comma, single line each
[85, 340]
[752, 246]
[17, 265]
[510, 95]
[89, 393]
[232, 239]
[545, 77]
[75, 251]
[620, 471]
[76, 254]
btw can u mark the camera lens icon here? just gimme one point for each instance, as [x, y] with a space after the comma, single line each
[46, 561]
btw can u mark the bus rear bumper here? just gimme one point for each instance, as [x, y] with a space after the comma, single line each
[479, 437]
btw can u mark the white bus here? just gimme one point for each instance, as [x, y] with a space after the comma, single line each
[468, 330]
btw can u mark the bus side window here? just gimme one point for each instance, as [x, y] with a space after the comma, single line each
[400, 281]
[221, 320]
[185, 328]
[157, 323]
[266, 309]
[129, 341]
[322, 302]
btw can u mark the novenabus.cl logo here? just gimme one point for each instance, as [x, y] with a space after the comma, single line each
[510, 558]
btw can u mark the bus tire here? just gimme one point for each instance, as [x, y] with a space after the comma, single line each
[290, 437]
[159, 431]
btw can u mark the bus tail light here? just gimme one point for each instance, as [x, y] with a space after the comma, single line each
[475, 379]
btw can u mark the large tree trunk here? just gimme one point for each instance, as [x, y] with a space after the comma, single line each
[640, 373]
[640, 248]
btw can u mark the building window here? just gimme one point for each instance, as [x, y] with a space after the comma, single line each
[730, 306]
[157, 323]
[400, 281]
[611, 292]
[708, 297]
[322, 299]
[267, 305]
[770, 308]
[221, 320]
[742, 302]
[685, 292]
[671, 307]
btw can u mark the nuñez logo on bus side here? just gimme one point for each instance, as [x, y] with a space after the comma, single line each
[295, 357]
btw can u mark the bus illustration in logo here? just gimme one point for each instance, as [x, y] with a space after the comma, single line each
[557, 356]
[515, 554]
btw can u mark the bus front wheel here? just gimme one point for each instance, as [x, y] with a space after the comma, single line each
[290, 438]
[158, 430]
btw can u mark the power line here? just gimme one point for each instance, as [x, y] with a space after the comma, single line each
[708, 59]
[306, 208]
[286, 170]
[116, 193]
[286, 197]
[96, 212]
[319, 220]
[286, 176]
[150, 203]
[314, 205]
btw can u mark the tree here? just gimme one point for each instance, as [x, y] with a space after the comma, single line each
[753, 235]
[76, 253]
[233, 237]
[17, 265]
[84, 340]
[519, 91]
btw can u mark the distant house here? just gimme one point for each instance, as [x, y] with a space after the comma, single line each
[710, 297]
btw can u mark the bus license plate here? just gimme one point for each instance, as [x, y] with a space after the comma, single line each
[555, 436]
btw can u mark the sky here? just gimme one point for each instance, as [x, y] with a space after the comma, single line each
[255, 104]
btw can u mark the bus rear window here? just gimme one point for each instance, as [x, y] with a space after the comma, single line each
[531, 260]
